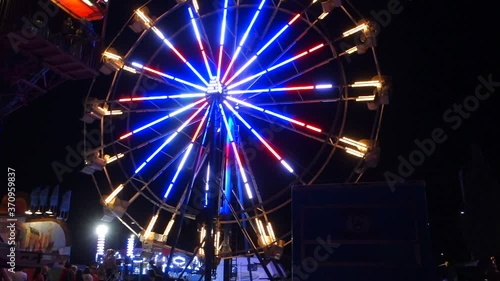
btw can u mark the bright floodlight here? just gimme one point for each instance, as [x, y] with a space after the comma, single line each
[130, 246]
[101, 230]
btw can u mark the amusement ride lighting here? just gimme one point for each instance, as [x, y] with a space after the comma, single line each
[151, 225]
[114, 112]
[366, 98]
[169, 139]
[189, 106]
[252, 59]
[167, 42]
[88, 3]
[358, 28]
[130, 246]
[236, 155]
[242, 41]
[196, 6]
[178, 96]
[186, 153]
[101, 232]
[167, 76]
[284, 89]
[353, 143]
[259, 137]
[143, 17]
[169, 227]
[263, 236]
[271, 231]
[354, 152]
[129, 69]
[375, 83]
[296, 122]
[290, 60]
[114, 158]
[113, 194]
[207, 186]
[351, 50]
[222, 39]
[200, 43]
[112, 56]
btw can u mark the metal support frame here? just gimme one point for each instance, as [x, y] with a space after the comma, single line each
[214, 191]
[26, 89]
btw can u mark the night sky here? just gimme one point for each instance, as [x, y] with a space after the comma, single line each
[435, 54]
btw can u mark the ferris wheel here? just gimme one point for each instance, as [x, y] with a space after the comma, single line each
[214, 110]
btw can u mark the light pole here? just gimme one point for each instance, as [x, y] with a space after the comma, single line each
[101, 231]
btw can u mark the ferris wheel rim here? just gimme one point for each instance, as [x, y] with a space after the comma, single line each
[327, 141]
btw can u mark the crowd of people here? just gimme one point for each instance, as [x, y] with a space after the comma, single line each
[68, 273]
[40, 274]
[106, 271]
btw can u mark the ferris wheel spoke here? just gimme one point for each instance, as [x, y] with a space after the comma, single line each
[359, 151]
[269, 69]
[314, 67]
[252, 178]
[222, 39]
[159, 76]
[246, 216]
[131, 149]
[301, 102]
[164, 97]
[200, 42]
[236, 155]
[297, 39]
[150, 70]
[167, 42]
[285, 50]
[179, 169]
[170, 138]
[207, 187]
[322, 138]
[271, 18]
[185, 157]
[272, 113]
[260, 138]
[252, 59]
[178, 111]
[292, 60]
[209, 51]
[140, 191]
[242, 41]
[368, 98]
[149, 110]
[145, 185]
[282, 89]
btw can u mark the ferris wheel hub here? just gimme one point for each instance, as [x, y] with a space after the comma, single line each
[215, 86]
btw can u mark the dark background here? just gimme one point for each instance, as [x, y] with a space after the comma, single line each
[434, 51]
